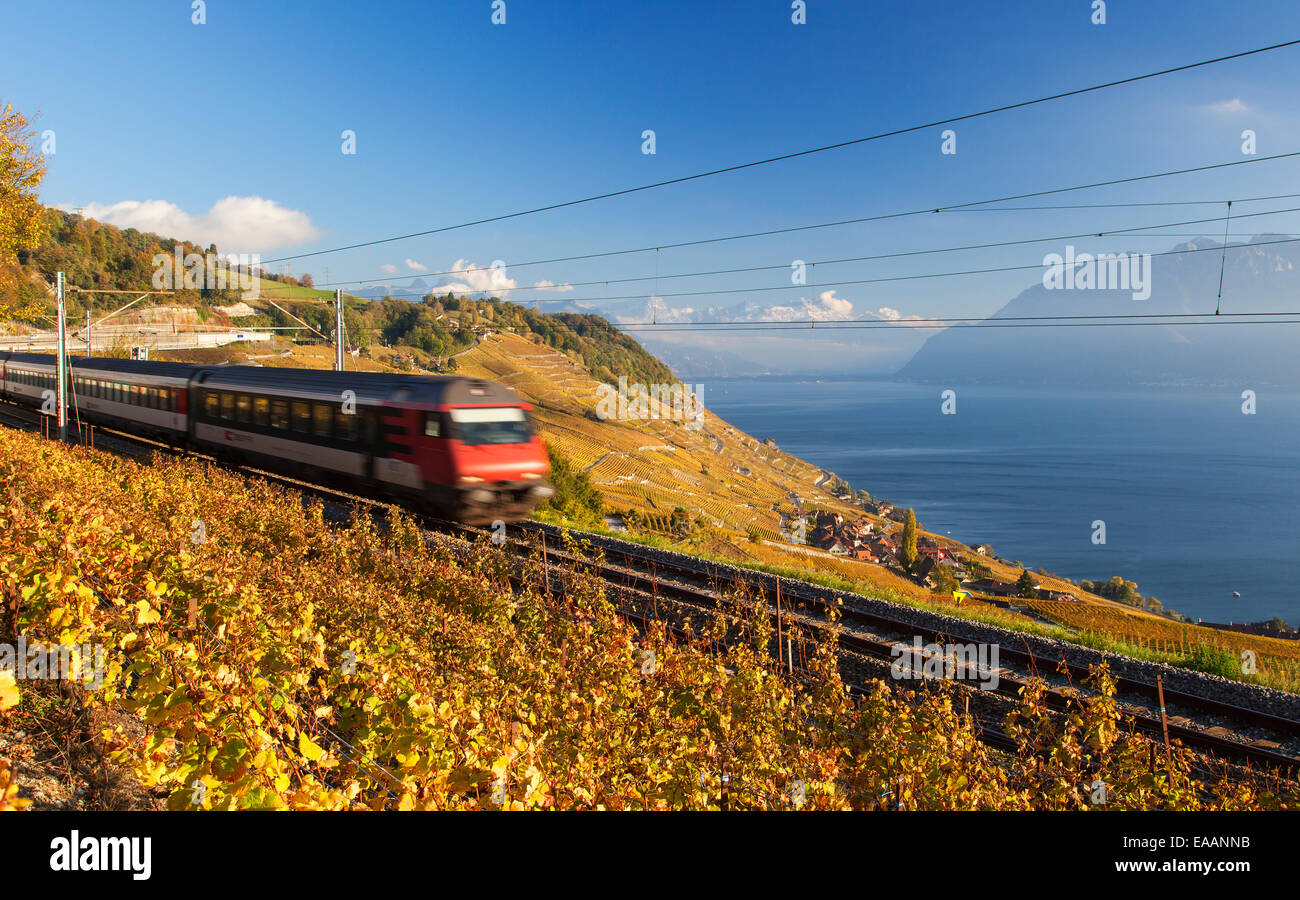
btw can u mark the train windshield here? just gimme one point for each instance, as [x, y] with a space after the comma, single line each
[491, 425]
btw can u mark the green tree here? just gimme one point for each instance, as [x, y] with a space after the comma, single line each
[21, 214]
[1025, 585]
[907, 555]
[944, 581]
[575, 498]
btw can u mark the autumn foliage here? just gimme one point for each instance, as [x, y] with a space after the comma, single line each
[278, 661]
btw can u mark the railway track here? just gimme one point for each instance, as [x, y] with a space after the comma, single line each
[868, 633]
[864, 636]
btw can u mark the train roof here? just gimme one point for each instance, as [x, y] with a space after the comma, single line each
[374, 386]
[107, 364]
[451, 390]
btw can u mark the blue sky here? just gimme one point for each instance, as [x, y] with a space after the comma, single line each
[457, 119]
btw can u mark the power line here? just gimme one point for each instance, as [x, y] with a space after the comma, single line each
[787, 156]
[899, 254]
[828, 284]
[987, 323]
[1118, 205]
[957, 207]
[938, 320]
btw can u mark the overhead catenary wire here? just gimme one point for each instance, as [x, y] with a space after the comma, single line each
[1223, 259]
[852, 259]
[802, 153]
[921, 325]
[927, 210]
[885, 279]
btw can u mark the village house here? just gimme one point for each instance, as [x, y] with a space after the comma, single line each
[925, 572]
[982, 549]
[993, 588]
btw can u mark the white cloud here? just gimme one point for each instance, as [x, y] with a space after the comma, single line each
[388, 269]
[483, 279]
[546, 285]
[234, 224]
[890, 314]
[1229, 106]
[416, 266]
[827, 306]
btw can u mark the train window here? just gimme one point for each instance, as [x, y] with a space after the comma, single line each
[261, 411]
[134, 399]
[151, 397]
[211, 404]
[482, 425]
[302, 417]
[323, 416]
[227, 406]
[433, 425]
[279, 414]
[244, 408]
[346, 426]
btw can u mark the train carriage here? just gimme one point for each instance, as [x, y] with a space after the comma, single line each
[147, 398]
[409, 436]
[459, 447]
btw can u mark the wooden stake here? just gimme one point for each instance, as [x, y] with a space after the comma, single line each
[778, 617]
[1164, 722]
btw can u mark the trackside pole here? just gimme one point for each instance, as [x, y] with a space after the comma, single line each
[338, 330]
[60, 367]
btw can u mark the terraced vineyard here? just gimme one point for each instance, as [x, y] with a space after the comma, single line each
[1275, 659]
[653, 466]
[280, 662]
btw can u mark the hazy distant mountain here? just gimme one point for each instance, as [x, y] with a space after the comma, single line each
[1256, 278]
[404, 289]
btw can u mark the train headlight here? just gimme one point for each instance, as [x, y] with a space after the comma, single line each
[470, 479]
[532, 476]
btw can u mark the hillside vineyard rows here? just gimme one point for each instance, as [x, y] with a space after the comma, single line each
[271, 660]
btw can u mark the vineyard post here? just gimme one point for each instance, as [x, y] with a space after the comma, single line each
[778, 619]
[88, 353]
[60, 366]
[1164, 722]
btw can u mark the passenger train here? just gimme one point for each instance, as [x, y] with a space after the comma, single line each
[456, 447]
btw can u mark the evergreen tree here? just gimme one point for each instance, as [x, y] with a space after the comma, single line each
[1025, 585]
[908, 553]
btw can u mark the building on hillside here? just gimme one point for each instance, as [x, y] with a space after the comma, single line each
[925, 572]
[993, 588]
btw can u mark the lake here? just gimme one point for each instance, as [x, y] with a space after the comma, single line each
[1198, 499]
